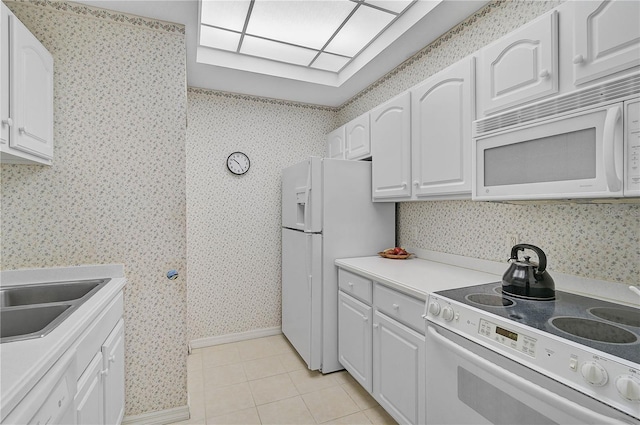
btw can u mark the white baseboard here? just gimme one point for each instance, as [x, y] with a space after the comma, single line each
[241, 336]
[159, 417]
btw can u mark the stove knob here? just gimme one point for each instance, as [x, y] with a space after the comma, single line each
[594, 374]
[628, 387]
[447, 313]
[434, 308]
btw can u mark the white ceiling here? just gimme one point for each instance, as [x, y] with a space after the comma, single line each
[363, 70]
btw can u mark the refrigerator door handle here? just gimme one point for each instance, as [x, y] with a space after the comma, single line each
[307, 190]
[309, 265]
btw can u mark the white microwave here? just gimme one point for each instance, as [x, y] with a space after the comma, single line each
[591, 154]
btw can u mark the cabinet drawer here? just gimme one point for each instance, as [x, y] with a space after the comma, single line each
[401, 307]
[354, 285]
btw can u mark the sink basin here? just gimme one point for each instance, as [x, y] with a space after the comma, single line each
[28, 323]
[32, 311]
[47, 293]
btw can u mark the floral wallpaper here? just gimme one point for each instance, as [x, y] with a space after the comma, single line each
[233, 222]
[116, 190]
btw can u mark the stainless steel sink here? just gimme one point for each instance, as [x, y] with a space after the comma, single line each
[47, 293]
[32, 311]
[29, 322]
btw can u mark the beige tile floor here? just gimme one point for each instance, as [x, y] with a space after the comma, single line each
[264, 381]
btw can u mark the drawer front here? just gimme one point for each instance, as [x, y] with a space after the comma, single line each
[399, 306]
[354, 285]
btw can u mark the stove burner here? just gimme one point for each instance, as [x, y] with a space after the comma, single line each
[594, 330]
[490, 300]
[618, 315]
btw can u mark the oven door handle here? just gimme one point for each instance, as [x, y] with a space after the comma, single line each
[535, 390]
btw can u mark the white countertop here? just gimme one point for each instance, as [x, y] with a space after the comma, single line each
[436, 271]
[23, 363]
[415, 276]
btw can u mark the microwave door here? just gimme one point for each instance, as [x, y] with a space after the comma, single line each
[578, 156]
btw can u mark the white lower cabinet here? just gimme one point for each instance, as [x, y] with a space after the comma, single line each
[354, 338]
[100, 396]
[89, 398]
[398, 370]
[381, 347]
[113, 365]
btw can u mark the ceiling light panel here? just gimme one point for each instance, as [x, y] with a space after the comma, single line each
[229, 14]
[329, 62]
[363, 26]
[277, 51]
[308, 23]
[396, 6]
[219, 39]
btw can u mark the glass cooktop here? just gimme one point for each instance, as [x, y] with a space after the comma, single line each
[605, 326]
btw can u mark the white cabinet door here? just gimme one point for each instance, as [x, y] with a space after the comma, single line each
[391, 149]
[354, 338]
[335, 144]
[441, 115]
[31, 93]
[606, 38]
[89, 399]
[357, 141]
[4, 76]
[399, 370]
[113, 365]
[520, 67]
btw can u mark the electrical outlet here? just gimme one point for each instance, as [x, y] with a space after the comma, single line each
[512, 239]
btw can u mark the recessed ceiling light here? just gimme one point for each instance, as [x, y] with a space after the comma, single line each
[313, 37]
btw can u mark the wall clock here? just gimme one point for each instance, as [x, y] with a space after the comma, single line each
[238, 163]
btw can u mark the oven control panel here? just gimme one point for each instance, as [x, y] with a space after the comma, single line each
[507, 337]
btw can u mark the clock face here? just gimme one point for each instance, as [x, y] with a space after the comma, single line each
[238, 163]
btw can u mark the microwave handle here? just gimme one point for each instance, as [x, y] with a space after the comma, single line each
[613, 118]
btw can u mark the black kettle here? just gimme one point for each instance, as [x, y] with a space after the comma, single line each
[525, 279]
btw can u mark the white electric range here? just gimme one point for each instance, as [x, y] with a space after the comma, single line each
[493, 358]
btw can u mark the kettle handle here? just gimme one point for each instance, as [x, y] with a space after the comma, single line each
[542, 258]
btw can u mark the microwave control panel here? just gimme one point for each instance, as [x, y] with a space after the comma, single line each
[632, 155]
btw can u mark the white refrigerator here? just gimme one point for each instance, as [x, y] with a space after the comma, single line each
[327, 213]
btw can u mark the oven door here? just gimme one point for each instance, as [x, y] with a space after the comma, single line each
[469, 384]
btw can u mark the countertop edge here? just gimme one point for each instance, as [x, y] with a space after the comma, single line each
[65, 335]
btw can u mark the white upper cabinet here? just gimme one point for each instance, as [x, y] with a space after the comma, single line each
[520, 67]
[350, 141]
[606, 38]
[335, 144]
[441, 115]
[357, 141]
[4, 77]
[27, 77]
[391, 149]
